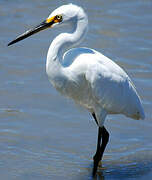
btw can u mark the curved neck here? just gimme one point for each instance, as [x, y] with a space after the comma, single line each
[64, 41]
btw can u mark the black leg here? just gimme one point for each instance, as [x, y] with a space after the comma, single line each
[99, 135]
[102, 132]
[98, 142]
[94, 116]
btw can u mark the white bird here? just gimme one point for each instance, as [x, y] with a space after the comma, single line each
[85, 75]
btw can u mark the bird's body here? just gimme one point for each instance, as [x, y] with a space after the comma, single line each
[88, 77]
[85, 75]
[97, 83]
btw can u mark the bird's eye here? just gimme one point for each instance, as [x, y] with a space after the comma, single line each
[59, 18]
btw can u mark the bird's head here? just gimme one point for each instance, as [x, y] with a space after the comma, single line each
[63, 15]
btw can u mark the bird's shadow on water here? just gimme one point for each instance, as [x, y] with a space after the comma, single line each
[122, 171]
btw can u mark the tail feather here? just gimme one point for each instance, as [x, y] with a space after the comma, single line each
[136, 107]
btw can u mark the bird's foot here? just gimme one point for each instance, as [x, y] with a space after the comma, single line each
[100, 162]
[95, 167]
[97, 162]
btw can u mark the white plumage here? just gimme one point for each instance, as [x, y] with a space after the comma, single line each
[85, 75]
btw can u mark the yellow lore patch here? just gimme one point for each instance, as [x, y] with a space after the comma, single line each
[55, 19]
[48, 20]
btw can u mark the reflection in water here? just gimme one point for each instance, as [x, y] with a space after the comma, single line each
[100, 173]
[136, 171]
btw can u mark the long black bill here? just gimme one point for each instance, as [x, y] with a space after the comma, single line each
[32, 31]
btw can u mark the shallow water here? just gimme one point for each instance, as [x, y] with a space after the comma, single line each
[46, 136]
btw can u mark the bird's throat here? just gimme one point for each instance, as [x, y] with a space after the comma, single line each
[64, 42]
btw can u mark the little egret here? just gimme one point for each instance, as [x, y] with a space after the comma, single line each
[85, 75]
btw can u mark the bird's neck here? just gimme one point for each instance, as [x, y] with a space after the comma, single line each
[64, 41]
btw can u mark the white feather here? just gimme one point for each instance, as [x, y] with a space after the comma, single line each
[88, 77]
